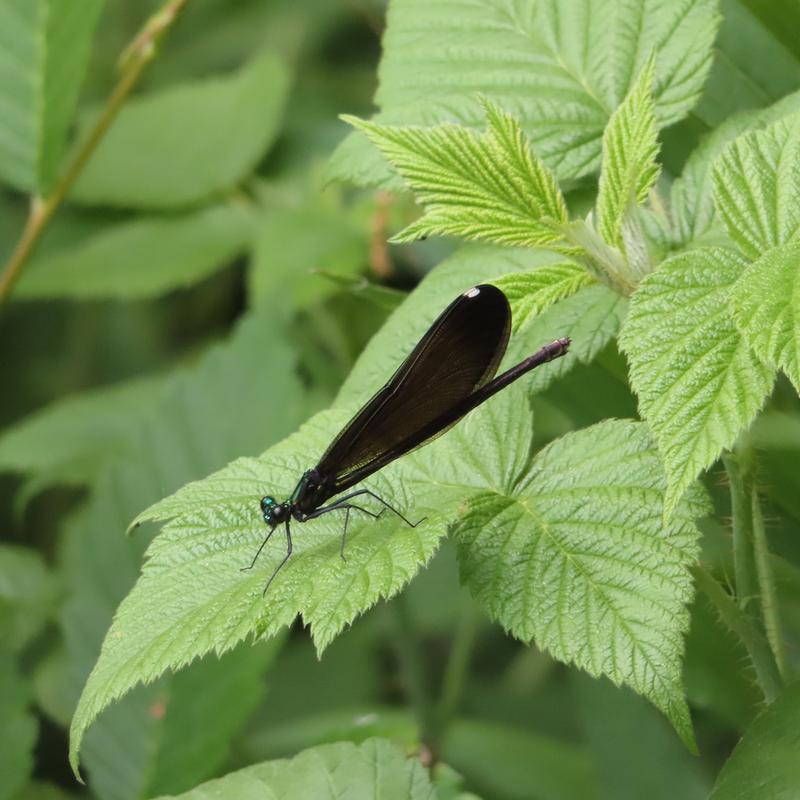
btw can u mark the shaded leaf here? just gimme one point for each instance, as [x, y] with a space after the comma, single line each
[509, 761]
[376, 768]
[764, 765]
[697, 381]
[633, 749]
[46, 46]
[167, 738]
[181, 145]
[142, 257]
[26, 595]
[72, 440]
[293, 243]
[18, 731]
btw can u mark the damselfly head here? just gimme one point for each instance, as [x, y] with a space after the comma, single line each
[274, 512]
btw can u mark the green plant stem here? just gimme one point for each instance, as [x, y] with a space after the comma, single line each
[766, 583]
[738, 465]
[135, 59]
[742, 625]
[414, 672]
[456, 669]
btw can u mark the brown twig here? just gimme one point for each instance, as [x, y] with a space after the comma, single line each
[135, 58]
[380, 262]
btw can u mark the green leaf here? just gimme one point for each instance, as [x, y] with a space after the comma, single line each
[757, 187]
[697, 380]
[375, 768]
[692, 194]
[172, 734]
[142, 257]
[485, 188]
[192, 593]
[629, 168]
[560, 66]
[177, 436]
[764, 765]
[38, 790]
[751, 66]
[18, 731]
[511, 761]
[220, 515]
[468, 267]
[285, 254]
[181, 145]
[192, 597]
[766, 306]
[46, 46]
[633, 749]
[591, 317]
[26, 595]
[531, 293]
[578, 559]
[72, 440]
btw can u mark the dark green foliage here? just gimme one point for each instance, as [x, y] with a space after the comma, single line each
[591, 596]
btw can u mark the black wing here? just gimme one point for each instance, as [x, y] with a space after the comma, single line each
[460, 353]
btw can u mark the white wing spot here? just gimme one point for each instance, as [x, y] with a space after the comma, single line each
[473, 292]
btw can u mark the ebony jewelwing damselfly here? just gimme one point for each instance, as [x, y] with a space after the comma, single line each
[450, 372]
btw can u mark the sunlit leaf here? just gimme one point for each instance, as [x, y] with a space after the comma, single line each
[692, 195]
[572, 553]
[757, 186]
[766, 303]
[192, 597]
[699, 384]
[559, 66]
[531, 293]
[628, 168]
[486, 188]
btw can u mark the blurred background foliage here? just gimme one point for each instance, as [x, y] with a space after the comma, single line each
[201, 293]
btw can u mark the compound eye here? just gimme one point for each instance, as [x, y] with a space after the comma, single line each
[267, 504]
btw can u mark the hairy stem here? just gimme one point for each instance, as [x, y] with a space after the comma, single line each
[766, 585]
[742, 625]
[135, 58]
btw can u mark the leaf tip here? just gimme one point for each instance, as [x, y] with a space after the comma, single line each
[354, 122]
[74, 759]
